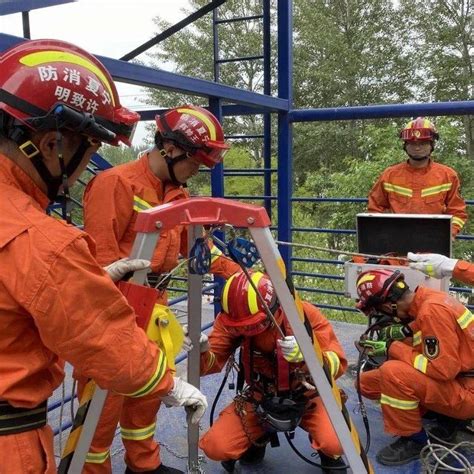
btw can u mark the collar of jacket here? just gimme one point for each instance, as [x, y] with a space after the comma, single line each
[14, 176]
[420, 296]
[424, 170]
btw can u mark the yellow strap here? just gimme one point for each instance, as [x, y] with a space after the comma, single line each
[167, 346]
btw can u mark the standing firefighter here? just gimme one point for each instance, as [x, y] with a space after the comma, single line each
[186, 137]
[278, 393]
[419, 185]
[430, 368]
[57, 105]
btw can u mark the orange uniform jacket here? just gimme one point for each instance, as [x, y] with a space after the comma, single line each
[464, 271]
[57, 303]
[222, 345]
[403, 189]
[112, 201]
[443, 336]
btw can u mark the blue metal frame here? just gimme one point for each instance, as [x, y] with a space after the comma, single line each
[7, 7]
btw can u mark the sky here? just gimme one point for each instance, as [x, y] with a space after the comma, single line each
[104, 27]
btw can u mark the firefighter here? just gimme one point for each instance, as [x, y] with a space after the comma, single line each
[440, 266]
[419, 185]
[57, 105]
[276, 396]
[186, 137]
[431, 370]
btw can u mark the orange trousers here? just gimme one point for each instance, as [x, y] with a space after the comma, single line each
[30, 452]
[405, 394]
[137, 418]
[227, 439]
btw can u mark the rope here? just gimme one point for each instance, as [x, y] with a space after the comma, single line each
[433, 457]
[339, 252]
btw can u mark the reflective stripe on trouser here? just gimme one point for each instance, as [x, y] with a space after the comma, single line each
[132, 414]
[226, 439]
[28, 452]
[405, 393]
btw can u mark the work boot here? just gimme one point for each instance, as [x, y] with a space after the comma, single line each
[161, 469]
[253, 455]
[446, 429]
[402, 451]
[229, 465]
[330, 465]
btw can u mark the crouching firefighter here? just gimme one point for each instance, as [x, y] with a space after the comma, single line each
[278, 394]
[430, 361]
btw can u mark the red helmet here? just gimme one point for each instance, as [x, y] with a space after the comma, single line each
[196, 131]
[376, 287]
[243, 313]
[420, 129]
[49, 84]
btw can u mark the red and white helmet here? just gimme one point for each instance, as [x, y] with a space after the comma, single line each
[243, 313]
[376, 287]
[49, 84]
[196, 130]
[420, 129]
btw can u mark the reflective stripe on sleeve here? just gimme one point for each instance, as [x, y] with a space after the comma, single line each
[417, 338]
[459, 222]
[334, 362]
[420, 363]
[397, 403]
[140, 204]
[465, 319]
[154, 380]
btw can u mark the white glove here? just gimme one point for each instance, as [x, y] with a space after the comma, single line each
[433, 264]
[290, 349]
[185, 394]
[117, 270]
[188, 345]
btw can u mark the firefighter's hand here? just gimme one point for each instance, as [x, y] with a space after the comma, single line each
[188, 345]
[117, 270]
[290, 349]
[394, 332]
[183, 394]
[433, 264]
[374, 348]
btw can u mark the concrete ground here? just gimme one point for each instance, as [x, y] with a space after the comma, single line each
[171, 429]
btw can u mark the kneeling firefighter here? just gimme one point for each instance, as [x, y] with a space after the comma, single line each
[278, 394]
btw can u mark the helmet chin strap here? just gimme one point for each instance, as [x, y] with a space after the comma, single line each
[418, 158]
[170, 162]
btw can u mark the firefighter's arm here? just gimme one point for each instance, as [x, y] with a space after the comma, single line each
[464, 271]
[221, 346]
[378, 199]
[456, 206]
[437, 355]
[108, 210]
[323, 331]
[83, 317]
